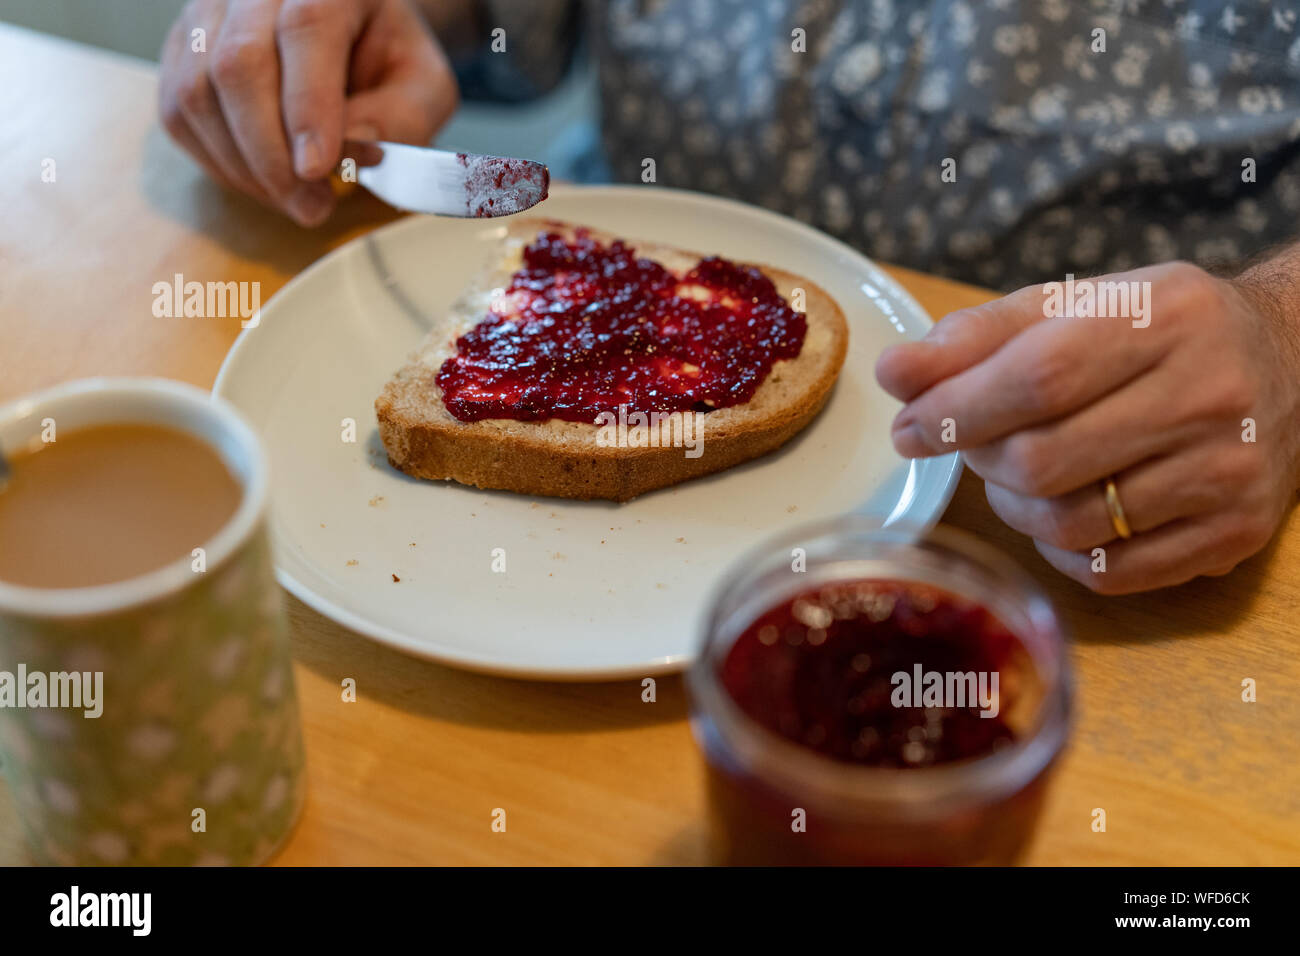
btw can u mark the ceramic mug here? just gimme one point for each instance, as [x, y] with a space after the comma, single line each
[195, 756]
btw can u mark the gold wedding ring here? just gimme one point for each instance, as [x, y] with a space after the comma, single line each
[1117, 517]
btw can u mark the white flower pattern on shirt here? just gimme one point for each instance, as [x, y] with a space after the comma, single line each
[1067, 159]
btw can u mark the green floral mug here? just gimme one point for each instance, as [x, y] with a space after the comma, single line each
[186, 748]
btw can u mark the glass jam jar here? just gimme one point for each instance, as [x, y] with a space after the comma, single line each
[879, 696]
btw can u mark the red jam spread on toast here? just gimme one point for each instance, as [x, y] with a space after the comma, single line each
[819, 670]
[585, 327]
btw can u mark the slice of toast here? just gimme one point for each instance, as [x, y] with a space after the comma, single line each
[567, 459]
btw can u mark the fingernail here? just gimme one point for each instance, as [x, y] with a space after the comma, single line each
[903, 419]
[362, 131]
[308, 155]
[309, 205]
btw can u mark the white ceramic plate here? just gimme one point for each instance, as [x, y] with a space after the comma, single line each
[592, 590]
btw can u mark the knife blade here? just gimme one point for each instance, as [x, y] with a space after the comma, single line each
[444, 183]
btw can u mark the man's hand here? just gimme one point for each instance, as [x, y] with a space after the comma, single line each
[282, 82]
[1046, 408]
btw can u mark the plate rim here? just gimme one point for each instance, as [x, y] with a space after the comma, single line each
[667, 664]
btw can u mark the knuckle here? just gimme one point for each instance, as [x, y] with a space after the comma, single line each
[193, 94]
[1243, 537]
[1236, 470]
[1225, 394]
[306, 16]
[1187, 301]
[238, 60]
[958, 316]
[1064, 527]
[1027, 465]
[1235, 393]
[1191, 283]
[1253, 467]
[1201, 495]
[1048, 381]
[955, 321]
[1221, 477]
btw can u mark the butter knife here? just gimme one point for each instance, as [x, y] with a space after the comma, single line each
[444, 183]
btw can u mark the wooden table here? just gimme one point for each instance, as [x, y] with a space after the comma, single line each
[588, 774]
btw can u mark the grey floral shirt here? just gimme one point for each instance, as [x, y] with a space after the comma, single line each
[1002, 142]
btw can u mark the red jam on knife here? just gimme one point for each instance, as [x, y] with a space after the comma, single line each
[585, 327]
[501, 186]
[818, 670]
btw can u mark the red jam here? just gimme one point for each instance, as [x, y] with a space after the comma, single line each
[502, 186]
[820, 671]
[585, 327]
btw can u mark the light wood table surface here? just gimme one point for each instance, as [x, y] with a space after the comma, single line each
[588, 774]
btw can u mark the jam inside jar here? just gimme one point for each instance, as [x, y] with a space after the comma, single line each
[890, 698]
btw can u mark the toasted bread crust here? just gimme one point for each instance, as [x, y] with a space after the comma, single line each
[564, 459]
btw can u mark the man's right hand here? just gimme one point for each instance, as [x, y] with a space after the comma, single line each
[282, 82]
